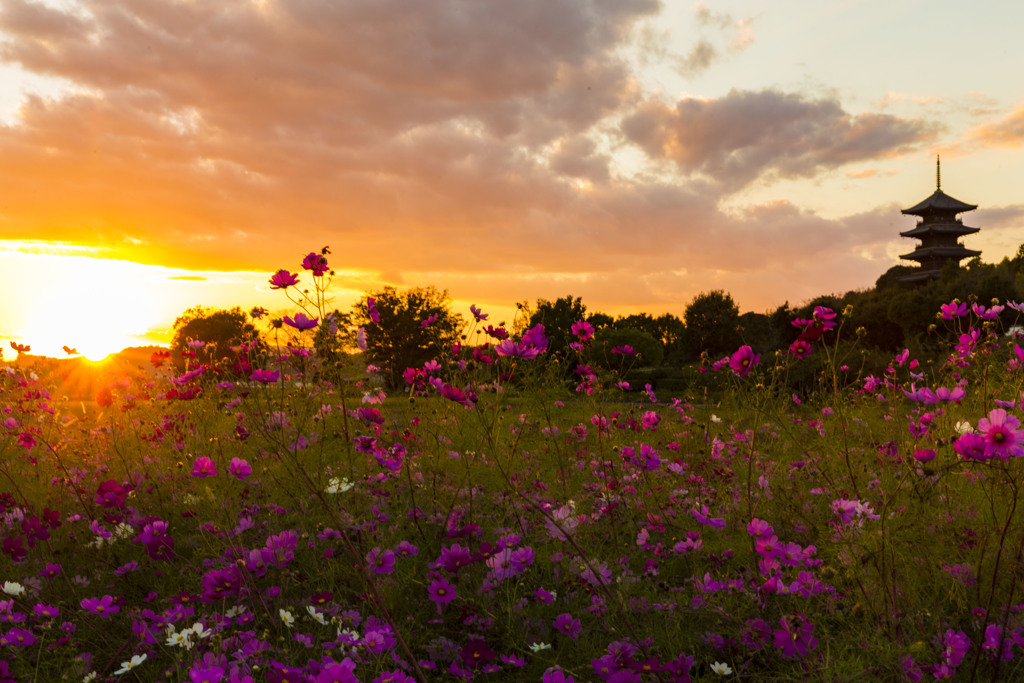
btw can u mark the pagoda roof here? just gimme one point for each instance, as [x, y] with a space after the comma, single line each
[922, 253]
[939, 202]
[952, 228]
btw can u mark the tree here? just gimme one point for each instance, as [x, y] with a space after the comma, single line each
[647, 351]
[218, 329]
[711, 321]
[557, 317]
[414, 326]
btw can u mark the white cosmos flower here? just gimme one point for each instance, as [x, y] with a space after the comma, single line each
[128, 666]
[13, 588]
[537, 647]
[200, 630]
[964, 427]
[338, 485]
[287, 617]
[721, 669]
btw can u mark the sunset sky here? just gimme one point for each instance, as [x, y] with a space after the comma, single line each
[158, 154]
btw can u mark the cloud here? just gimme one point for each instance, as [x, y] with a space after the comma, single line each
[463, 144]
[743, 135]
[738, 34]
[1006, 132]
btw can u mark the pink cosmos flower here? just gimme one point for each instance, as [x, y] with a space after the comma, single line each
[800, 349]
[568, 625]
[316, 263]
[265, 376]
[371, 307]
[477, 313]
[986, 314]
[431, 319]
[1001, 434]
[954, 309]
[441, 592]
[301, 322]
[583, 330]
[204, 467]
[743, 361]
[795, 638]
[381, 562]
[361, 338]
[282, 279]
[103, 607]
[240, 468]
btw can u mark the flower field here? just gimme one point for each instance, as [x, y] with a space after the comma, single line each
[503, 518]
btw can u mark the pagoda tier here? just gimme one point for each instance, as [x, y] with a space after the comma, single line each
[939, 231]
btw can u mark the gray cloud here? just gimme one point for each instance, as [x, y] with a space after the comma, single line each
[743, 135]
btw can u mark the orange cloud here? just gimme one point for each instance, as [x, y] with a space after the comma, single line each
[468, 145]
[1006, 132]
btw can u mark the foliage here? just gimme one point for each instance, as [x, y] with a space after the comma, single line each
[711, 320]
[414, 326]
[649, 351]
[217, 329]
[500, 526]
[557, 317]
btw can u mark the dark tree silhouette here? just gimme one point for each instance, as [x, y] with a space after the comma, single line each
[414, 326]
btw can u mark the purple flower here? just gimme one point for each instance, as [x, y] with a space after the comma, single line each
[301, 322]
[971, 446]
[239, 468]
[207, 674]
[371, 308]
[337, 673]
[1001, 434]
[204, 467]
[316, 263]
[381, 562]
[743, 361]
[795, 637]
[477, 313]
[282, 279]
[441, 592]
[568, 625]
[583, 330]
[556, 675]
[954, 309]
[104, 606]
[265, 376]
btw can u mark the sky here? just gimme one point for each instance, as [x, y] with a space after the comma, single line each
[160, 154]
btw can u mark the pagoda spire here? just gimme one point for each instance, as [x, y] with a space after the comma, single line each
[938, 173]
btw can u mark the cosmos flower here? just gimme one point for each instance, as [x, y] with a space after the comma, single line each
[301, 322]
[1001, 434]
[282, 279]
[743, 361]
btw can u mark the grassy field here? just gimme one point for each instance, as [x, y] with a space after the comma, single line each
[188, 527]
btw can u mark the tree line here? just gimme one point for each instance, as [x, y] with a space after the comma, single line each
[406, 328]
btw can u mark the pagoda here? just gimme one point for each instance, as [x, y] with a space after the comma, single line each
[939, 231]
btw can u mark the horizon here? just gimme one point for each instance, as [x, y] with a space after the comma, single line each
[633, 154]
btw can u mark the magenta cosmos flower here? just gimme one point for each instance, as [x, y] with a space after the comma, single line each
[1002, 436]
[282, 279]
[204, 467]
[265, 376]
[743, 361]
[301, 322]
[104, 606]
[316, 263]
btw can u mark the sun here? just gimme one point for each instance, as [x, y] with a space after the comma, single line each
[95, 306]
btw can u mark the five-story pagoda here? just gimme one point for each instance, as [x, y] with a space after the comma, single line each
[939, 231]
